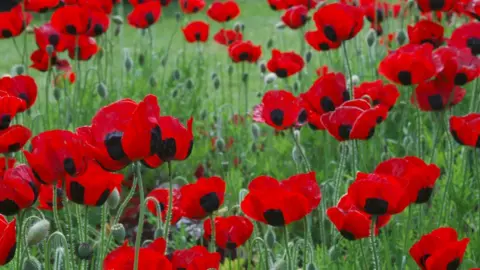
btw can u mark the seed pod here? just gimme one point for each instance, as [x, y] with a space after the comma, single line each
[216, 84]
[117, 19]
[152, 81]
[176, 75]
[401, 37]
[270, 238]
[189, 84]
[270, 43]
[308, 57]
[118, 233]
[371, 38]
[38, 232]
[50, 50]
[102, 90]
[128, 63]
[220, 145]
[255, 131]
[31, 263]
[57, 93]
[141, 59]
[158, 233]
[18, 69]
[85, 251]
[114, 199]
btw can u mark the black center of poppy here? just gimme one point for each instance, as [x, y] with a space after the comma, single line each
[277, 117]
[71, 29]
[375, 102]
[273, 7]
[69, 166]
[437, 4]
[155, 139]
[162, 206]
[228, 18]
[327, 104]
[6, 33]
[281, 73]
[371, 132]
[210, 202]
[37, 176]
[377, 207]
[405, 77]
[43, 10]
[244, 56]
[77, 192]
[302, 117]
[380, 15]
[195, 9]
[424, 195]
[7, 5]
[274, 217]
[461, 79]
[231, 245]
[13, 147]
[5, 121]
[379, 120]
[330, 33]
[454, 265]
[347, 235]
[103, 197]
[11, 253]
[98, 29]
[149, 18]
[346, 95]
[164, 2]
[436, 102]
[344, 131]
[324, 46]
[8, 207]
[198, 36]
[113, 143]
[456, 138]
[53, 40]
[167, 149]
[423, 260]
[474, 44]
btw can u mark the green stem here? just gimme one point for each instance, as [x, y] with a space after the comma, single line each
[373, 245]
[170, 203]
[19, 222]
[302, 152]
[138, 240]
[305, 242]
[349, 70]
[213, 234]
[56, 216]
[102, 234]
[362, 252]
[449, 174]
[341, 166]
[287, 249]
[407, 230]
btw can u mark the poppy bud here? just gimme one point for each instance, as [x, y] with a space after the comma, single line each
[38, 232]
[296, 134]
[308, 57]
[410, 4]
[175, 93]
[259, 94]
[141, 59]
[280, 26]
[57, 92]
[118, 233]
[296, 86]
[152, 81]
[216, 83]
[401, 37]
[114, 199]
[85, 251]
[164, 61]
[245, 77]
[189, 84]
[102, 90]
[117, 19]
[31, 263]
[355, 80]
[30, 30]
[100, 53]
[230, 70]
[176, 75]
[270, 43]
[18, 69]
[158, 233]
[178, 16]
[117, 30]
[220, 145]
[296, 155]
[263, 68]
[50, 49]
[311, 266]
[270, 78]
[371, 38]
[255, 131]
[203, 114]
[270, 238]
[214, 76]
[128, 63]
[238, 27]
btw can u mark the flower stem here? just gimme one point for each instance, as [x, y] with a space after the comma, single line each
[287, 250]
[349, 70]
[407, 230]
[138, 240]
[102, 235]
[213, 236]
[56, 216]
[302, 152]
[305, 242]
[170, 204]
[373, 245]
[449, 173]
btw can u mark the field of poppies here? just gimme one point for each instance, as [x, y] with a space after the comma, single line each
[239, 134]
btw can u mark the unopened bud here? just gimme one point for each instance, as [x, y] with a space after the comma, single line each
[214, 76]
[230, 70]
[216, 84]
[18, 69]
[152, 81]
[164, 61]
[85, 251]
[255, 131]
[371, 38]
[270, 238]
[401, 37]
[178, 16]
[355, 80]
[114, 199]
[141, 59]
[57, 93]
[263, 67]
[38, 232]
[102, 90]
[270, 43]
[220, 145]
[280, 26]
[128, 63]
[176, 75]
[189, 84]
[203, 114]
[117, 30]
[308, 57]
[311, 266]
[175, 93]
[50, 50]
[158, 233]
[245, 77]
[296, 86]
[238, 27]
[31, 263]
[118, 233]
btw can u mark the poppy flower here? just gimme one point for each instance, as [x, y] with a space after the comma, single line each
[42, 61]
[191, 6]
[274, 206]
[352, 223]
[241, 51]
[280, 109]
[378, 93]
[419, 176]
[435, 5]
[165, 3]
[285, 64]
[150, 257]
[40, 6]
[56, 154]
[9, 107]
[354, 120]
[323, 70]
[98, 23]
[196, 31]
[467, 36]
[278, 4]
[106, 6]
[81, 47]
[194, 258]
[5, 164]
[230, 232]
[410, 64]
[161, 195]
[13, 20]
[306, 3]
[20, 86]
[145, 15]
[378, 194]
[8, 239]
[473, 9]
[93, 187]
[426, 31]
[203, 197]
[466, 129]
[227, 37]
[223, 11]
[318, 41]
[19, 190]
[9, 5]
[327, 93]
[295, 17]
[375, 13]
[459, 65]
[71, 20]
[45, 197]
[439, 249]
[339, 22]
[14, 138]
[437, 95]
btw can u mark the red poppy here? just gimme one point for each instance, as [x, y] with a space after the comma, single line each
[45, 197]
[435, 5]
[352, 223]
[339, 22]
[223, 11]
[98, 23]
[419, 176]
[71, 20]
[285, 64]
[203, 197]
[306, 3]
[9, 107]
[473, 9]
[354, 120]
[230, 232]
[280, 109]
[439, 249]
[93, 187]
[437, 95]
[199, 171]
[320, 42]
[227, 37]
[8, 239]
[426, 31]
[410, 64]
[378, 93]
[81, 47]
[20, 86]
[5, 164]
[196, 31]
[145, 15]
[47, 35]
[241, 51]
[375, 13]
[40, 5]
[191, 6]
[14, 138]
[466, 129]
[459, 65]
[467, 36]
[56, 154]
[42, 61]
[165, 3]
[161, 195]
[19, 190]
[378, 195]
[176, 142]
[274, 206]
[295, 17]
[105, 6]
[150, 258]
[195, 258]
[327, 93]
[322, 71]
[278, 4]
[13, 20]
